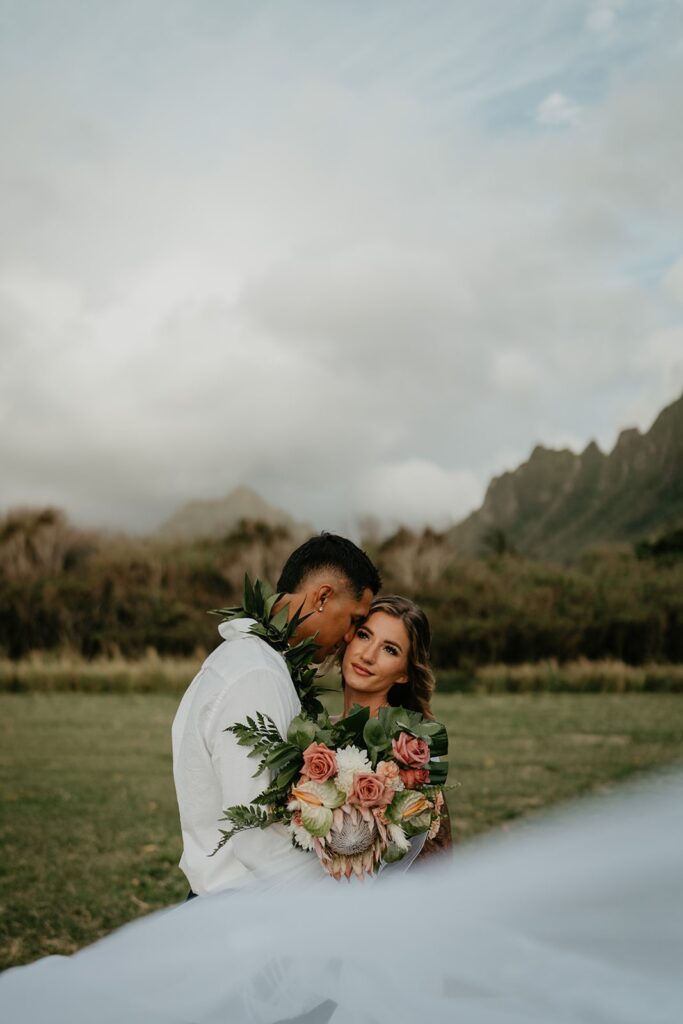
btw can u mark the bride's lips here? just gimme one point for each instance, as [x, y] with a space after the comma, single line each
[360, 670]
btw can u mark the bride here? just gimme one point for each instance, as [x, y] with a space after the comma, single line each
[387, 663]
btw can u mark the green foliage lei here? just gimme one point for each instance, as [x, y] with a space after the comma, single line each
[278, 630]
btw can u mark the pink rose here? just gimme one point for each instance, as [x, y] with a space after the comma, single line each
[413, 777]
[410, 751]
[320, 764]
[389, 773]
[369, 791]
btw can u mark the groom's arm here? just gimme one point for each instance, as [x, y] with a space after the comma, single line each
[261, 690]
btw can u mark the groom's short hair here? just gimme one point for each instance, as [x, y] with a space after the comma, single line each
[328, 551]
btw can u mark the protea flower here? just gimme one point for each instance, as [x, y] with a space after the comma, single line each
[354, 845]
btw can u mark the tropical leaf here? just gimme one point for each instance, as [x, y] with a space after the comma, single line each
[438, 772]
[350, 729]
[279, 620]
[438, 743]
[389, 718]
[287, 775]
[281, 756]
[248, 593]
[375, 739]
[302, 732]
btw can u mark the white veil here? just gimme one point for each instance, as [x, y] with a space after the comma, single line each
[577, 916]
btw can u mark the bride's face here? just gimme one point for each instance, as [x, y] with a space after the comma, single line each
[377, 657]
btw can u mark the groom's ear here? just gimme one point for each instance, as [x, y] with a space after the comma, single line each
[321, 595]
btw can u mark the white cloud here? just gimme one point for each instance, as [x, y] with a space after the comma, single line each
[602, 17]
[416, 492]
[561, 439]
[661, 357]
[673, 281]
[558, 110]
[370, 300]
[516, 372]
[311, 264]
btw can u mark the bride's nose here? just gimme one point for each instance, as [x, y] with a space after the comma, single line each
[368, 654]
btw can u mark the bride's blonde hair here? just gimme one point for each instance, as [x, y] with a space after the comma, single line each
[416, 694]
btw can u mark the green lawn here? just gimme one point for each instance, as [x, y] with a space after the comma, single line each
[89, 825]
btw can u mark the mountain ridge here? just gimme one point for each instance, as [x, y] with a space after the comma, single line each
[210, 518]
[558, 502]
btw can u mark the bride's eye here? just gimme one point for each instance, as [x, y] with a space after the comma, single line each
[362, 633]
[390, 650]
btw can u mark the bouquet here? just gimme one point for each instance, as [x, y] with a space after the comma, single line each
[354, 791]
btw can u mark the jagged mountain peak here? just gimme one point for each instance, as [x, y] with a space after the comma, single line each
[557, 503]
[627, 438]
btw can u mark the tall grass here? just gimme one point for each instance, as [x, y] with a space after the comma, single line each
[45, 672]
[42, 672]
[582, 676]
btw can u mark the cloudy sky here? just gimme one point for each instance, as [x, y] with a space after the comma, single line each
[360, 256]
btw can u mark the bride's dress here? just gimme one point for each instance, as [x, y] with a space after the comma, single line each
[577, 916]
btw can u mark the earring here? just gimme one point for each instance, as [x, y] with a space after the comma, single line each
[320, 608]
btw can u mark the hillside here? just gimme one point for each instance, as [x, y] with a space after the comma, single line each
[558, 503]
[213, 519]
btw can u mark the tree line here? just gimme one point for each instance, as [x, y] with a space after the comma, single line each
[64, 589]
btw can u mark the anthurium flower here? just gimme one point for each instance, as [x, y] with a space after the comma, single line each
[323, 794]
[316, 801]
[316, 820]
[406, 804]
[419, 822]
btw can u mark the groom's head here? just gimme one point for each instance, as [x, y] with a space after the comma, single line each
[335, 582]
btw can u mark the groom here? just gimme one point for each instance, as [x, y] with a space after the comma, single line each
[335, 582]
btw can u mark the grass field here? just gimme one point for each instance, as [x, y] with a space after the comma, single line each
[89, 825]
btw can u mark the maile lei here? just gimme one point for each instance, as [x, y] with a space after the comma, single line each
[259, 601]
